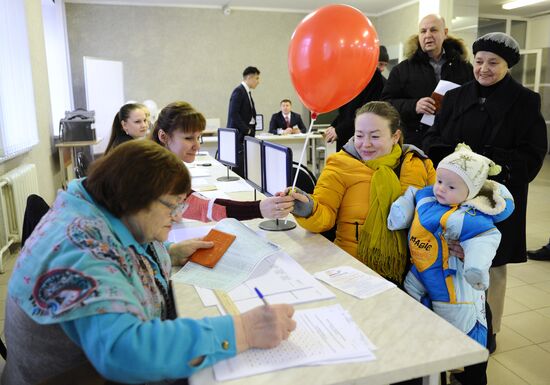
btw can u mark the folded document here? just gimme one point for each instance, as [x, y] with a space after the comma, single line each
[354, 282]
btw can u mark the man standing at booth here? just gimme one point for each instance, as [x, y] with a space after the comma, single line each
[242, 112]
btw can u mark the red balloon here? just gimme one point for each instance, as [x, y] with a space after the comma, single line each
[332, 56]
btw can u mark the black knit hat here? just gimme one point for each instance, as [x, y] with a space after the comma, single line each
[499, 43]
[383, 55]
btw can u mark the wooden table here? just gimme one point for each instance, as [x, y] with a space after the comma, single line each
[411, 340]
[66, 151]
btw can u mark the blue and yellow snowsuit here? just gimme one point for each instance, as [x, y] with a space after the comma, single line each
[452, 288]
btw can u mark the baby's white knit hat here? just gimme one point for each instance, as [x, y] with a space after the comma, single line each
[471, 167]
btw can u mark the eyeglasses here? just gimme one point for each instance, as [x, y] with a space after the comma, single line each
[176, 209]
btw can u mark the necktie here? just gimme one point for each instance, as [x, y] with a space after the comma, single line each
[251, 101]
[253, 119]
[287, 120]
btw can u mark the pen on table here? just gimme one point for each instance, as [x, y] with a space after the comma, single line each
[261, 296]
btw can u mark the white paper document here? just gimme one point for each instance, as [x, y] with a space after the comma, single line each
[202, 184]
[236, 186]
[246, 252]
[354, 282]
[199, 172]
[182, 233]
[441, 89]
[284, 282]
[323, 335]
[215, 194]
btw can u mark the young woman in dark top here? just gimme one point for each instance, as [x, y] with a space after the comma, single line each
[130, 122]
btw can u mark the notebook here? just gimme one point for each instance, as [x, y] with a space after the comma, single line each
[209, 257]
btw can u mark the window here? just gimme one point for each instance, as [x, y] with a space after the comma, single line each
[18, 128]
[57, 59]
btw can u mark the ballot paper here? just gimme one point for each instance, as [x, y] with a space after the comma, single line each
[284, 282]
[324, 335]
[441, 89]
[354, 282]
[237, 264]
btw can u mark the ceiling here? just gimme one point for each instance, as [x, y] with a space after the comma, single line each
[369, 7]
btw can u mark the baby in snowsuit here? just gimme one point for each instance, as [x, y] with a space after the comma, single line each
[462, 205]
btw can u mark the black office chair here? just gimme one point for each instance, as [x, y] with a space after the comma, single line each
[306, 180]
[34, 211]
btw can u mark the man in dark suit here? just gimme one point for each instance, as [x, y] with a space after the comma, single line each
[242, 112]
[287, 121]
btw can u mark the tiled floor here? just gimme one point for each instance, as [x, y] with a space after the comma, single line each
[523, 345]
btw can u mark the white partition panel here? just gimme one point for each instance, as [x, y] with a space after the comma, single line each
[104, 84]
[253, 161]
[276, 166]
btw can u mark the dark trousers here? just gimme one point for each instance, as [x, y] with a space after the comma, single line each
[473, 374]
[477, 374]
[239, 169]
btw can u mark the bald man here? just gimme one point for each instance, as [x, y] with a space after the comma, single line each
[431, 55]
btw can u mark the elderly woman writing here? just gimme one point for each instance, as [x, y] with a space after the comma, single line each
[90, 290]
[358, 186]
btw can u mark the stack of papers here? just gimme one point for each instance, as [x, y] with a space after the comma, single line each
[237, 264]
[354, 282]
[324, 335]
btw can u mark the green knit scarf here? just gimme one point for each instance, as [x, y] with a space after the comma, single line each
[383, 250]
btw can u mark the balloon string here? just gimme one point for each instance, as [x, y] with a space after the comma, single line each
[306, 141]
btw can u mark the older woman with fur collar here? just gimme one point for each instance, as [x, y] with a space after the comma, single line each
[431, 56]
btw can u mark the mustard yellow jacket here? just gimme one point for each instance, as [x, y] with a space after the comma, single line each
[342, 193]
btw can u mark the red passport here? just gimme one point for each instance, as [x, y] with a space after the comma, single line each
[209, 257]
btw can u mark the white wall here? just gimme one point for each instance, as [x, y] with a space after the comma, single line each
[538, 32]
[396, 27]
[196, 55]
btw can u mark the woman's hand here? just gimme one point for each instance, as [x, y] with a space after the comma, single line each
[455, 249]
[263, 327]
[303, 204]
[276, 207]
[181, 251]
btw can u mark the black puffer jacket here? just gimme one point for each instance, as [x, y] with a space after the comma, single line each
[345, 121]
[509, 129]
[414, 78]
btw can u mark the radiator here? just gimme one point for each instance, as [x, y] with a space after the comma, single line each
[15, 186]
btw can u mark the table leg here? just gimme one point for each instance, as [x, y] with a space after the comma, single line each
[62, 167]
[313, 156]
[432, 379]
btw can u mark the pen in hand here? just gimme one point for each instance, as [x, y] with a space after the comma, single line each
[261, 296]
